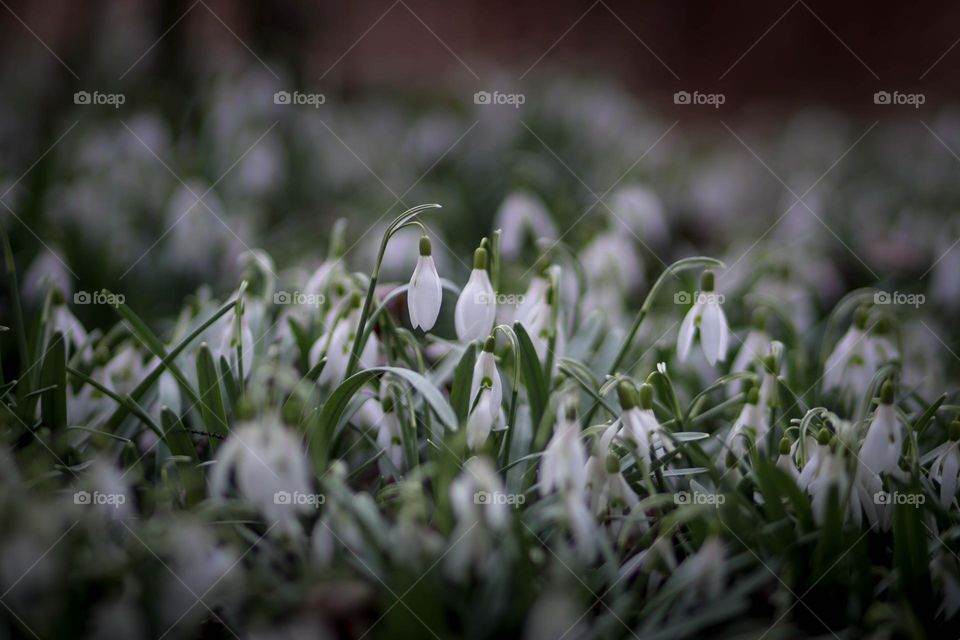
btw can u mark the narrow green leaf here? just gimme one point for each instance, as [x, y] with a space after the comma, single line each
[53, 404]
[533, 376]
[212, 411]
[462, 380]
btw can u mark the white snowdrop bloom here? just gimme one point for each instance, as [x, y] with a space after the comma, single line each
[817, 450]
[755, 346]
[946, 467]
[609, 489]
[198, 564]
[832, 475]
[63, 320]
[338, 344]
[168, 390]
[640, 427]
[267, 463]
[486, 396]
[748, 430]
[641, 211]
[476, 308]
[123, 372]
[533, 303]
[48, 271]
[707, 316]
[564, 461]
[425, 293]
[388, 439]
[705, 571]
[883, 443]
[522, 214]
[785, 460]
[852, 363]
[611, 259]
[477, 498]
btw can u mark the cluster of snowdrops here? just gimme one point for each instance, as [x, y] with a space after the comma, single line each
[334, 423]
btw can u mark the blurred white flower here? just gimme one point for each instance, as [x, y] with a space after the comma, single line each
[476, 308]
[564, 461]
[486, 397]
[641, 211]
[946, 467]
[337, 346]
[388, 439]
[476, 496]
[425, 293]
[520, 214]
[267, 464]
[883, 443]
[749, 430]
[610, 493]
[755, 346]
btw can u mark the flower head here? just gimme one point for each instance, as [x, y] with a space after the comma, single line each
[707, 316]
[425, 293]
[476, 308]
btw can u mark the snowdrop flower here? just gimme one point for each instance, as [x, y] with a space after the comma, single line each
[832, 476]
[63, 320]
[610, 491]
[522, 213]
[388, 439]
[883, 443]
[946, 467]
[266, 463]
[641, 211]
[640, 427]
[756, 345]
[749, 430]
[425, 292]
[706, 315]
[852, 363]
[337, 346]
[476, 498]
[563, 466]
[811, 466]
[486, 396]
[536, 314]
[476, 308]
[785, 460]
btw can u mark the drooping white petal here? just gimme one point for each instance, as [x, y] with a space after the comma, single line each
[476, 308]
[713, 333]
[481, 419]
[687, 329]
[425, 294]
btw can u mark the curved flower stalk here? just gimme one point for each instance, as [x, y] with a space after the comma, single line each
[477, 497]
[946, 467]
[707, 316]
[425, 293]
[640, 429]
[265, 463]
[476, 309]
[486, 398]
